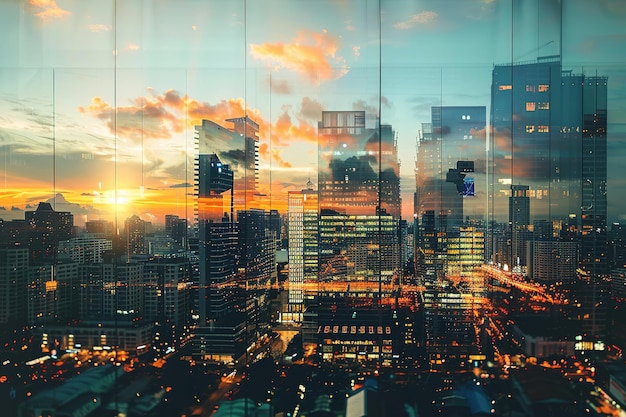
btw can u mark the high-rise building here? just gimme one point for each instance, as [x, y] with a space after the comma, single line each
[84, 249]
[303, 248]
[519, 221]
[111, 290]
[256, 246]
[551, 261]
[465, 251]
[176, 228]
[53, 293]
[451, 338]
[359, 201]
[450, 148]
[358, 166]
[545, 120]
[593, 252]
[226, 184]
[167, 289]
[549, 132]
[13, 282]
[46, 228]
[358, 248]
[135, 234]
[100, 228]
[227, 160]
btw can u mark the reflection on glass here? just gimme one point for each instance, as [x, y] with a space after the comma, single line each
[194, 195]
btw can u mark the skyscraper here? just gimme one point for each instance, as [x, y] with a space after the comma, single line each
[359, 198]
[519, 221]
[358, 166]
[46, 228]
[135, 234]
[549, 132]
[303, 247]
[176, 228]
[545, 122]
[447, 147]
[594, 257]
[226, 183]
[13, 282]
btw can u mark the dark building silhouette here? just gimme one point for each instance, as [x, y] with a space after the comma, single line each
[135, 236]
[549, 132]
[46, 228]
[358, 166]
[449, 148]
[226, 185]
[176, 228]
[519, 221]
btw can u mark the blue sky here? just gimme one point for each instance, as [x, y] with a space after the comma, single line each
[66, 66]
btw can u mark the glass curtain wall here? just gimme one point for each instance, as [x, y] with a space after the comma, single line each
[368, 179]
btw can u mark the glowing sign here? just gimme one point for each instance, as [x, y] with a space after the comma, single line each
[468, 187]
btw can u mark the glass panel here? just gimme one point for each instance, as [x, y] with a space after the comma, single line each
[201, 193]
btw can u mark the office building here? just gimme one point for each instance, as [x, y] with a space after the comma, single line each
[559, 117]
[465, 250]
[135, 236]
[176, 228]
[167, 300]
[256, 246]
[359, 201]
[46, 228]
[549, 132]
[85, 249]
[100, 228]
[13, 283]
[593, 252]
[111, 290]
[227, 161]
[226, 182]
[358, 248]
[451, 330]
[450, 149]
[53, 293]
[358, 165]
[303, 250]
[519, 221]
[363, 334]
[551, 261]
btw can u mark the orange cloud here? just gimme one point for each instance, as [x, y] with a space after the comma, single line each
[281, 162]
[285, 130]
[161, 116]
[264, 153]
[47, 10]
[263, 150]
[313, 55]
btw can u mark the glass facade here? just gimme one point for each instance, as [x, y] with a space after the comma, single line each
[399, 185]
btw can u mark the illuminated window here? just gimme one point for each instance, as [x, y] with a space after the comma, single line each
[530, 88]
[543, 105]
[530, 106]
[543, 88]
[543, 129]
[505, 87]
[530, 128]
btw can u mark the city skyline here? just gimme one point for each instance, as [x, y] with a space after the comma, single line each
[320, 208]
[110, 116]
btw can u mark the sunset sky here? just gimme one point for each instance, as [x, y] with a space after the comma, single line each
[99, 98]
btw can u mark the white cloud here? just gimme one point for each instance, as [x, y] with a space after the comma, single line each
[420, 18]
